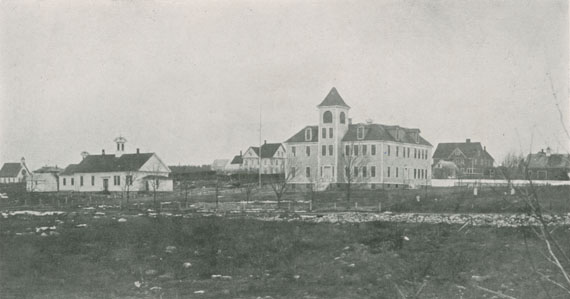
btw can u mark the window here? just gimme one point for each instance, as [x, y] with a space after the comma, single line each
[347, 150]
[327, 117]
[355, 171]
[373, 150]
[355, 150]
[415, 153]
[129, 180]
[363, 171]
[415, 173]
[342, 118]
[309, 134]
[294, 151]
[373, 171]
[92, 180]
[389, 150]
[330, 150]
[308, 172]
[364, 149]
[324, 133]
[360, 132]
[81, 181]
[397, 151]
[72, 181]
[324, 150]
[308, 151]
[64, 181]
[330, 132]
[408, 152]
[388, 171]
[397, 171]
[117, 180]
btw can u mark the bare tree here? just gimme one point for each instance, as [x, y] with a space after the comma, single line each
[130, 178]
[512, 167]
[187, 186]
[279, 185]
[353, 160]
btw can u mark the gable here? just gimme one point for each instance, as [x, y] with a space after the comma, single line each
[456, 153]
[154, 164]
[10, 170]
[250, 153]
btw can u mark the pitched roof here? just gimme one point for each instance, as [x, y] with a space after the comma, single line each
[238, 159]
[10, 170]
[300, 136]
[268, 150]
[333, 99]
[49, 169]
[379, 132]
[109, 163]
[540, 160]
[219, 163]
[469, 149]
[69, 170]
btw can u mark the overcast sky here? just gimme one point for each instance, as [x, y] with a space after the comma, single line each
[187, 79]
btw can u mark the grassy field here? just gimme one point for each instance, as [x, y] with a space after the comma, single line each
[259, 259]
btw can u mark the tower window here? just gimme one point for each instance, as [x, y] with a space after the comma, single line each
[330, 132]
[324, 150]
[324, 133]
[330, 150]
[373, 149]
[360, 133]
[308, 151]
[327, 117]
[342, 118]
[308, 172]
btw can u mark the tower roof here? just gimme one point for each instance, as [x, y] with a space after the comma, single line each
[333, 99]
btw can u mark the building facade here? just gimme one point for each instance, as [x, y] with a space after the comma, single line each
[271, 156]
[471, 158]
[120, 172]
[45, 179]
[12, 173]
[337, 152]
[546, 165]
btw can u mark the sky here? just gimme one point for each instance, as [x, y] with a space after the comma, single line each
[190, 79]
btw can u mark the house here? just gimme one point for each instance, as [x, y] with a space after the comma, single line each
[271, 156]
[337, 152]
[548, 166]
[45, 179]
[471, 158]
[219, 165]
[12, 173]
[445, 170]
[119, 172]
[235, 164]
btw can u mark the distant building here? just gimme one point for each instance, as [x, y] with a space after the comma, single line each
[235, 164]
[117, 173]
[445, 170]
[12, 173]
[471, 158]
[219, 165]
[548, 166]
[336, 151]
[45, 179]
[272, 158]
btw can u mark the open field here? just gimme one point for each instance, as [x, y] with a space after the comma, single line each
[82, 256]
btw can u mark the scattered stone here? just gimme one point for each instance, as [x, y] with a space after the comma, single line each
[214, 276]
[406, 238]
[166, 276]
[170, 249]
[346, 248]
[352, 265]
[122, 220]
[44, 235]
[297, 276]
[155, 288]
[150, 272]
[81, 225]
[187, 265]
[54, 233]
[199, 292]
[226, 277]
[480, 278]
[138, 284]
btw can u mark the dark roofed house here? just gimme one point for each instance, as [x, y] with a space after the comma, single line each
[337, 152]
[235, 165]
[548, 166]
[271, 156]
[471, 158]
[11, 173]
[119, 172]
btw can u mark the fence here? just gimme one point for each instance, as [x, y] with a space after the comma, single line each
[487, 182]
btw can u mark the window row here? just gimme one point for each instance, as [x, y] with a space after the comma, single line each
[408, 152]
[356, 150]
[255, 162]
[418, 173]
[328, 117]
[116, 180]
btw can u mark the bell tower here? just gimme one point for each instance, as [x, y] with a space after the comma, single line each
[120, 141]
[333, 125]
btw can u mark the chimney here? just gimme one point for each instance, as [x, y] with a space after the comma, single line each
[138, 151]
[468, 140]
[350, 121]
[240, 154]
[264, 142]
[103, 152]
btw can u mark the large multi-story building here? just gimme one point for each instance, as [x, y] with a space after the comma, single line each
[337, 152]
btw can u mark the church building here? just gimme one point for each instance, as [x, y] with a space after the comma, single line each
[369, 155]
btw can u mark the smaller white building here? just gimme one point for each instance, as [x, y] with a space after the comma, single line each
[271, 157]
[12, 173]
[45, 179]
[120, 172]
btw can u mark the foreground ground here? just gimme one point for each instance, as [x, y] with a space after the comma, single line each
[82, 256]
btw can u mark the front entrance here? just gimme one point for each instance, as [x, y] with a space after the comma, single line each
[328, 173]
[106, 185]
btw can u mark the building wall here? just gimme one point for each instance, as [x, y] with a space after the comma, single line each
[268, 165]
[42, 182]
[98, 178]
[299, 160]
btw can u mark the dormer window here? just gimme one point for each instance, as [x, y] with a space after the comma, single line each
[308, 135]
[360, 133]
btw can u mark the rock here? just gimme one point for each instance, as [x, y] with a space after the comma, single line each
[122, 220]
[138, 284]
[187, 265]
[150, 272]
[199, 292]
[352, 265]
[155, 288]
[44, 235]
[214, 276]
[54, 233]
[226, 277]
[480, 278]
[170, 249]
[297, 276]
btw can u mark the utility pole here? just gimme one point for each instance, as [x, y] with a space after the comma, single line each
[259, 152]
